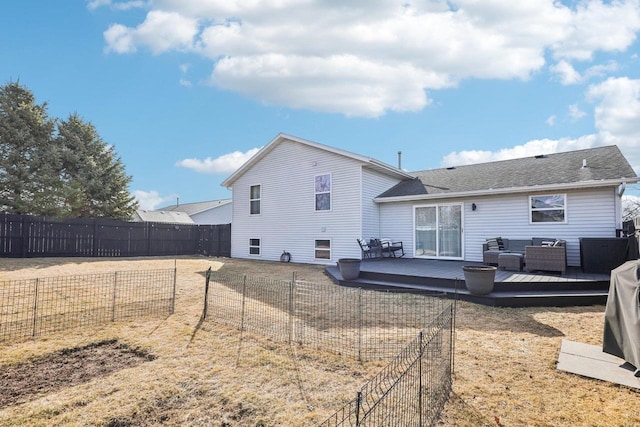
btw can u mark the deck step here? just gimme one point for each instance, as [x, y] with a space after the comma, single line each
[520, 294]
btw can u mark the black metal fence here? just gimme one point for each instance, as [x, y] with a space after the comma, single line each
[35, 307]
[414, 331]
[412, 389]
[28, 236]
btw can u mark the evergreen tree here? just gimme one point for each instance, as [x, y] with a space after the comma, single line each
[93, 175]
[71, 173]
[27, 163]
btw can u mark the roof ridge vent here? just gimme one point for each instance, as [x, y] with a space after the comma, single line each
[584, 164]
[450, 168]
[540, 156]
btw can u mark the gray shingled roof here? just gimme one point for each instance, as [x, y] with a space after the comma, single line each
[603, 163]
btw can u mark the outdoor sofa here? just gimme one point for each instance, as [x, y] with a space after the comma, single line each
[538, 253]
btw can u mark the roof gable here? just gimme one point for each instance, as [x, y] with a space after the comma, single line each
[366, 161]
[600, 164]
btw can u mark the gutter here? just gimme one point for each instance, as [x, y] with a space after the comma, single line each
[509, 190]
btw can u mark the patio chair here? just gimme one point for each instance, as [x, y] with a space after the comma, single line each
[548, 258]
[392, 248]
[369, 250]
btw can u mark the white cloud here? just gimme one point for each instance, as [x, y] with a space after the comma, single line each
[551, 121]
[567, 74]
[119, 39]
[617, 114]
[123, 5]
[365, 58]
[598, 26]
[227, 163]
[575, 112]
[149, 200]
[160, 32]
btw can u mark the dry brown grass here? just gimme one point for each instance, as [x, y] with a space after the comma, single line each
[203, 374]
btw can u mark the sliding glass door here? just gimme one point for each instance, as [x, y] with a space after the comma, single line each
[438, 231]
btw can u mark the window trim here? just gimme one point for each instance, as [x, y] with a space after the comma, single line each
[563, 209]
[316, 193]
[259, 200]
[316, 249]
[259, 246]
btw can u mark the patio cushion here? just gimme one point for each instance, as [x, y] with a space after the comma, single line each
[537, 241]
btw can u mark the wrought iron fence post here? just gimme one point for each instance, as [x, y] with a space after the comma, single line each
[359, 324]
[244, 297]
[175, 276]
[115, 289]
[206, 294]
[420, 393]
[452, 338]
[358, 407]
[35, 309]
[292, 286]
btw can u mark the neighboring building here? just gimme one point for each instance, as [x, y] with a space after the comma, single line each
[142, 215]
[314, 201]
[209, 213]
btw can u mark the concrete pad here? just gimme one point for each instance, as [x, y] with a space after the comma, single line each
[590, 361]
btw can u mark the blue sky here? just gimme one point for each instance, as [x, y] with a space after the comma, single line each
[187, 90]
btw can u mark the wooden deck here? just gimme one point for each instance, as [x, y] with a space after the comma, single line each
[511, 288]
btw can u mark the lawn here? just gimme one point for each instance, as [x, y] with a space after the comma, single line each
[181, 371]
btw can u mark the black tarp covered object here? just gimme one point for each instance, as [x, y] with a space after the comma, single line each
[622, 314]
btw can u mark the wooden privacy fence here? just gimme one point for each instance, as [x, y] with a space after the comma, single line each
[23, 236]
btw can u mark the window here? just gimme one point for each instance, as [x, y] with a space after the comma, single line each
[254, 199]
[323, 192]
[254, 246]
[323, 249]
[548, 208]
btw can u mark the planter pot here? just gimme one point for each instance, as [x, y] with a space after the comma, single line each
[349, 268]
[479, 279]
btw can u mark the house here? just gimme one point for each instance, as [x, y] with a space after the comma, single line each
[314, 201]
[205, 213]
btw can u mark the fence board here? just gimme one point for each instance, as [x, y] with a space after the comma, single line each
[24, 236]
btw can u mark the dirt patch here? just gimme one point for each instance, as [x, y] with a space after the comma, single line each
[28, 380]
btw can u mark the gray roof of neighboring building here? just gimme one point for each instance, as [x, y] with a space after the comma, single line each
[197, 207]
[164, 216]
[603, 163]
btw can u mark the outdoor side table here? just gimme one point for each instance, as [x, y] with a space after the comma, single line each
[510, 261]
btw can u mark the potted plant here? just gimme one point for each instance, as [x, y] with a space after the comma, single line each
[349, 268]
[479, 279]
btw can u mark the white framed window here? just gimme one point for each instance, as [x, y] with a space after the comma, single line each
[254, 199]
[548, 208]
[254, 246]
[323, 249]
[323, 192]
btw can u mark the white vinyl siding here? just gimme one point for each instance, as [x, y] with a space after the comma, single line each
[396, 223]
[288, 219]
[590, 213]
[374, 184]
